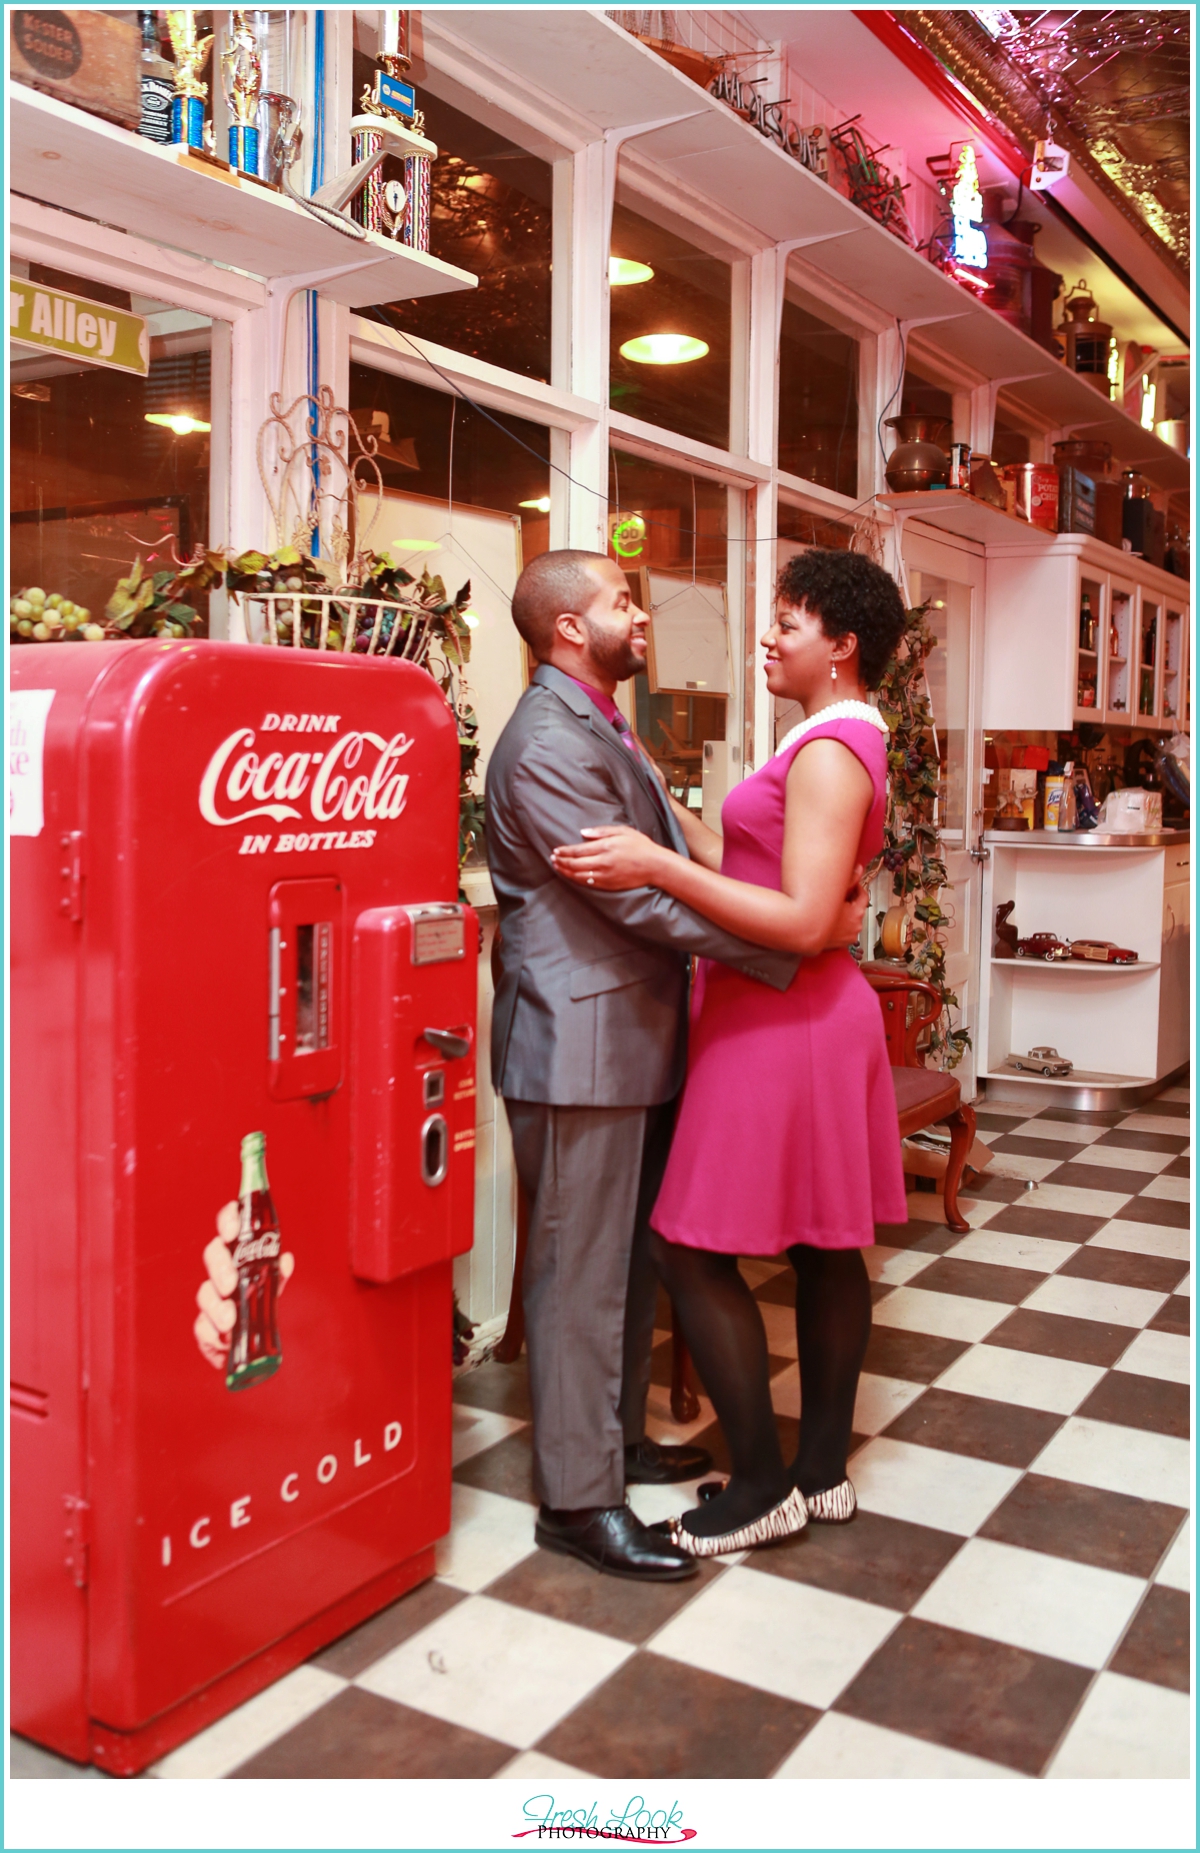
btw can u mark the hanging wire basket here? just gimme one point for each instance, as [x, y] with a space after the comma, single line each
[341, 621]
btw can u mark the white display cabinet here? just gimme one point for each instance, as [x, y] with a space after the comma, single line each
[1039, 672]
[1123, 1027]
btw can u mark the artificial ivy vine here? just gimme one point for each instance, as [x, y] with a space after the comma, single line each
[912, 850]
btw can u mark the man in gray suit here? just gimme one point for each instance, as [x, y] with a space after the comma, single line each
[589, 1042]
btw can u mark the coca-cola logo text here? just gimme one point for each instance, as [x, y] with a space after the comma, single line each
[355, 775]
[264, 1247]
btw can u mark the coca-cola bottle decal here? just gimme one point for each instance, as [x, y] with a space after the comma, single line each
[254, 1348]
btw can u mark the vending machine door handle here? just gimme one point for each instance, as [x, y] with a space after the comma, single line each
[448, 1043]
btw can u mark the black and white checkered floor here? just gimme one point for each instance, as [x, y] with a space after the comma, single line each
[1012, 1599]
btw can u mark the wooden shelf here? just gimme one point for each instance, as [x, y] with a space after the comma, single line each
[1074, 965]
[600, 73]
[72, 160]
[957, 512]
[1078, 1077]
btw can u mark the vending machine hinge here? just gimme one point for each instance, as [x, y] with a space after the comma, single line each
[72, 874]
[78, 1536]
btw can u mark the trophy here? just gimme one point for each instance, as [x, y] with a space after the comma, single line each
[392, 124]
[187, 105]
[241, 72]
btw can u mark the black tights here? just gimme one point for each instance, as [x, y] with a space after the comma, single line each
[724, 1332]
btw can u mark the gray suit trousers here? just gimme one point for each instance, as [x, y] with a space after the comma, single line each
[591, 1175]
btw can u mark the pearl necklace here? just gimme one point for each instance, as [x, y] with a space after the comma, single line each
[836, 711]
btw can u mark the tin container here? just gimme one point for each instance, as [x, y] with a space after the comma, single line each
[960, 466]
[1032, 492]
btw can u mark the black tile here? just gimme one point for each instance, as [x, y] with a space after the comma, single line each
[1084, 1116]
[932, 1238]
[915, 1357]
[975, 1425]
[1124, 1268]
[375, 1637]
[1145, 1141]
[659, 1718]
[361, 1736]
[1166, 1109]
[1175, 1316]
[1050, 1225]
[1178, 1167]
[877, 1559]
[1158, 1643]
[1082, 1176]
[713, 1439]
[568, 1590]
[980, 1280]
[994, 1122]
[992, 1188]
[779, 1290]
[971, 1694]
[1158, 1210]
[1025, 1145]
[506, 1468]
[503, 1388]
[1113, 1531]
[1140, 1402]
[1055, 1335]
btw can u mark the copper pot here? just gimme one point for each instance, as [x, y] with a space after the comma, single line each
[919, 460]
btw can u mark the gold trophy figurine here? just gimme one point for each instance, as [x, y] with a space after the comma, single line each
[241, 70]
[187, 107]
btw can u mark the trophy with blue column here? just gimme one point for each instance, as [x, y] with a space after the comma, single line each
[187, 105]
[241, 74]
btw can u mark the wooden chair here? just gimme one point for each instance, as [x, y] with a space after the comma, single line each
[924, 1096]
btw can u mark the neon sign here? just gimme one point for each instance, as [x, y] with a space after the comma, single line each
[629, 537]
[969, 245]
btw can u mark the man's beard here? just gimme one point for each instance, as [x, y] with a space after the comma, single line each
[613, 656]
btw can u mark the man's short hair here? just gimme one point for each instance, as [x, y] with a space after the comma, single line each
[553, 583]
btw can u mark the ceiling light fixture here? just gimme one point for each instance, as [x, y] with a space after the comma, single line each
[540, 502]
[663, 350]
[181, 423]
[622, 270]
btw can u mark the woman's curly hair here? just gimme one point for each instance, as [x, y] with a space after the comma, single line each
[851, 595]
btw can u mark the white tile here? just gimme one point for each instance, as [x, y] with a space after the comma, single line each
[1176, 1567]
[1127, 1728]
[1145, 1238]
[1171, 1189]
[1077, 1202]
[473, 1430]
[1095, 1299]
[1181, 1094]
[1063, 1130]
[254, 1725]
[1185, 1287]
[1022, 1377]
[654, 1503]
[788, 1638]
[1011, 1109]
[1001, 1249]
[1159, 1354]
[1121, 1158]
[928, 1486]
[533, 1766]
[878, 1402]
[1016, 1164]
[661, 1424]
[490, 1667]
[1160, 1122]
[945, 1315]
[848, 1748]
[780, 1323]
[1029, 1599]
[488, 1535]
[894, 1266]
[1121, 1460]
[922, 1207]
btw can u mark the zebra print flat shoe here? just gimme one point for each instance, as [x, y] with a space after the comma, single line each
[782, 1521]
[837, 1506]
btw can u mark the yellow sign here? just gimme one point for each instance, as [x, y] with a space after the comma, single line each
[74, 325]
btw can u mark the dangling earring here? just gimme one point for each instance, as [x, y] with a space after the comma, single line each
[833, 672]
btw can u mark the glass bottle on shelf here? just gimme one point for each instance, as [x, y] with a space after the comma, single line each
[1087, 623]
[157, 77]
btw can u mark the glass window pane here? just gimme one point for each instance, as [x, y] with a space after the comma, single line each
[490, 214]
[921, 395]
[683, 296]
[818, 399]
[947, 672]
[96, 484]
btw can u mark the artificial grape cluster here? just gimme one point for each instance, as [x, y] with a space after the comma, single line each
[36, 616]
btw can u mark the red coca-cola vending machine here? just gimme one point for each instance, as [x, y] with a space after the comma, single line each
[242, 1137]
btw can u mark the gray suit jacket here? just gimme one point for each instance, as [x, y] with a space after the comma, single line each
[590, 1007]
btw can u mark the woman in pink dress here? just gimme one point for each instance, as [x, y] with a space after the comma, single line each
[787, 1140]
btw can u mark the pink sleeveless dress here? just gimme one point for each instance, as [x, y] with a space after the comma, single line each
[787, 1130]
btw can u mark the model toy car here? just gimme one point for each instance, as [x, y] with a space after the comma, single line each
[1043, 946]
[1103, 951]
[1041, 1061]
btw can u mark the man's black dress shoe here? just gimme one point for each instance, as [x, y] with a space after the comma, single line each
[650, 1463]
[614, 1540]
